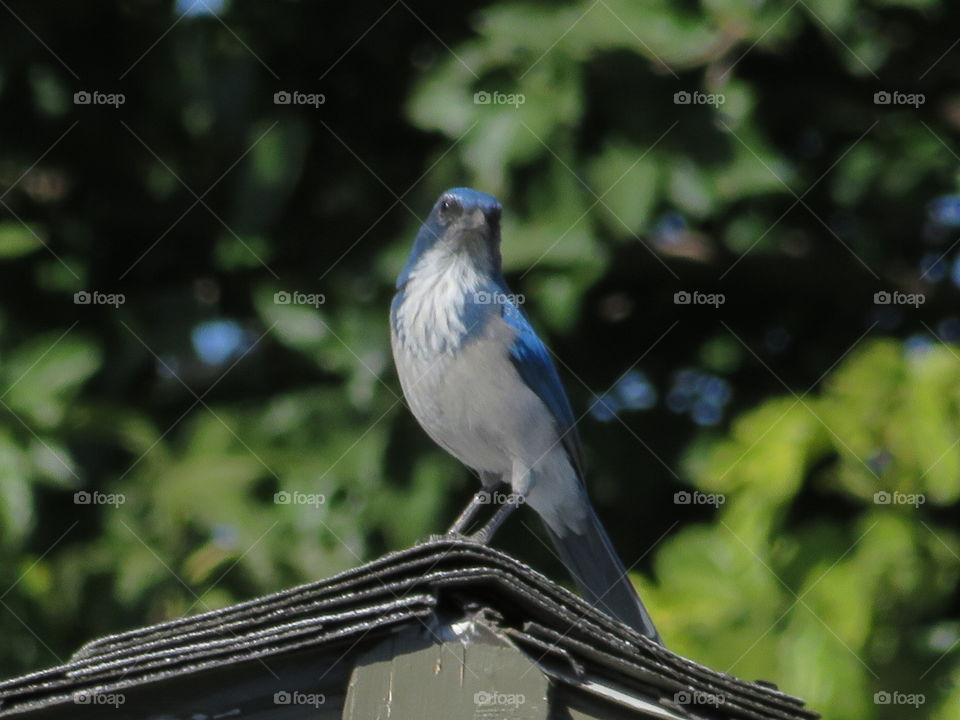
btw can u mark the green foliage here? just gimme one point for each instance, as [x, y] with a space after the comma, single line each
[17, 239]
[829, 608]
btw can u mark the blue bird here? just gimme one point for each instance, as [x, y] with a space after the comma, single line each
[482, 385]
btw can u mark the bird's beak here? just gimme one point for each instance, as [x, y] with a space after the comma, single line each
[475, 220]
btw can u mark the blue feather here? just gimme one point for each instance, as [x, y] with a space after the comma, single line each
[532, 360]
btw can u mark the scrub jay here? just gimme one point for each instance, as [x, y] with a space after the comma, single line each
[483, 386]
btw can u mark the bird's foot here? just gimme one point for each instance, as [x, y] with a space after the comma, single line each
[485, 534]
[481, 536]
[469, 512]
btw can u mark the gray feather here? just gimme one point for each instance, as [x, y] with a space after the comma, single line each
[589, 556]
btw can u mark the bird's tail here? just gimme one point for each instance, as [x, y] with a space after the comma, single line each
[601, 577]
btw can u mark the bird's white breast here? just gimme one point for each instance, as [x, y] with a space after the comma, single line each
[430, 319]
[461, 383]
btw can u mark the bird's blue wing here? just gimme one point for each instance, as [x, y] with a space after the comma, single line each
[532, 360]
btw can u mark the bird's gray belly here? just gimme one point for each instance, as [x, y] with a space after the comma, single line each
[473, 403]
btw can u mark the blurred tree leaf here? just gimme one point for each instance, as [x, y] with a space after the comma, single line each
[17, 240]
[42, 374]
[16, 506]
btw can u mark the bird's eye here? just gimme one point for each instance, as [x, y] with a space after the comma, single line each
[449, 208]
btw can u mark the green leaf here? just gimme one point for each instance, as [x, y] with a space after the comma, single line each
[43, 374]
[17, 239]
[52, 461]
[233, 251]
[627, 179]
[690, 190]
[16, 501]
[767, 453]
[299, 326]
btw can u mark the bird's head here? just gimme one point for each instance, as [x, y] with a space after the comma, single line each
[463, 223]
